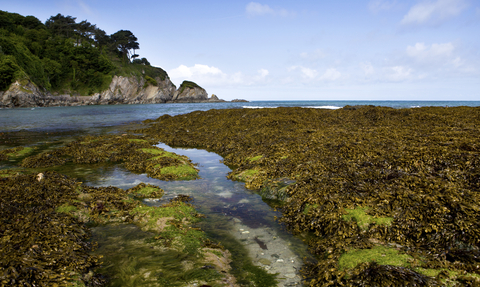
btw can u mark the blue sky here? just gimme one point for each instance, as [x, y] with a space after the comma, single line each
[301, 49]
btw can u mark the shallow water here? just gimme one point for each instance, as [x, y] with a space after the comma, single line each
[233, 213]
[96, 117]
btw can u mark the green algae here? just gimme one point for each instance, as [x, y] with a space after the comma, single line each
[134, 153]
[380, 254]
[52, 213]
[142, 262]
[143, 190]
[255, 158]
[66, 208]
[363, 220]
[182, 172]
[245, 176]
[17, 152]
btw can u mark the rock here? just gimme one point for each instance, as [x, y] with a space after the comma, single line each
[265, 261]
[239, 100]
[122, 90]
[214, 98]
[290, 275]
[190, 92]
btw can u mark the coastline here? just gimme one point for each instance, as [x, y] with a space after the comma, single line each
[346, 181]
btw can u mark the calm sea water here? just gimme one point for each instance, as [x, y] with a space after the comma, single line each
[95, 117]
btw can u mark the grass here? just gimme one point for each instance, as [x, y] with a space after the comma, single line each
[363, 219]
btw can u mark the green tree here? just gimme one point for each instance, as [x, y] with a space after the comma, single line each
[142, 61]
[61, 25]
[8, 68]
[85, 31]
[125, 41]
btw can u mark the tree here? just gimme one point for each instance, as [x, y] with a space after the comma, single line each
[125, 41]
[142, 61]
[101, 38]
[61, 25]
[85, 30]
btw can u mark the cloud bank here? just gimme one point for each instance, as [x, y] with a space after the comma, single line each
[256, 9]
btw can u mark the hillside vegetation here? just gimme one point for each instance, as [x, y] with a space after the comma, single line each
[65, 56]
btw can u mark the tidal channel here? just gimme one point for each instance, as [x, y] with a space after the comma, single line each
[235, 216]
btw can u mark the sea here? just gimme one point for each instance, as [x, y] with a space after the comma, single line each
[90, 118]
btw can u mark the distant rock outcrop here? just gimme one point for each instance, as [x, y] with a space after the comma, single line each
[190, 92]
[214, 98]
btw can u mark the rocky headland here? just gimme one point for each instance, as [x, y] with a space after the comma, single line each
[122, 90]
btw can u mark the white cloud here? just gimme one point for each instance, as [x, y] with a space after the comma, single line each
[257, 9]
[378, 5]
[315, 55]
[331, 75]
[198, 70]
[433, 12]
[399, 73]
[263, 73]
[213, 76]
[307, 73]
[422, 52]
[367, 68]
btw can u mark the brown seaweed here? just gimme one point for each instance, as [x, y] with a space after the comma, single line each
[420, 167]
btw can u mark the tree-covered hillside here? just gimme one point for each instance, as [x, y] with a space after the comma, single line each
[66, 56]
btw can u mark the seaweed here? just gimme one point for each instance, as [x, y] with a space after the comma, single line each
[418, 169]
[134, 153]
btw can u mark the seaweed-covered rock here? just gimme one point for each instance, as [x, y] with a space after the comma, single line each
[418, 168]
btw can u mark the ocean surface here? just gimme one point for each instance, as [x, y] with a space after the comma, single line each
[101, 116]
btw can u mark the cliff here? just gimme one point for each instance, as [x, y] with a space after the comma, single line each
[122, 90]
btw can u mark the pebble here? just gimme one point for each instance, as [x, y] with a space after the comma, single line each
[245, 232]
[265, 261]
[280, 260]
[241, 229]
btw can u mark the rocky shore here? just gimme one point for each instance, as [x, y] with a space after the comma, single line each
[122, 90]
[383, 196]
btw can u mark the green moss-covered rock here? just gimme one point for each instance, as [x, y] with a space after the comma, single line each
[136, 154]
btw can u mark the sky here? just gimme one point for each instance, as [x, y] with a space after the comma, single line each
[298, 49]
